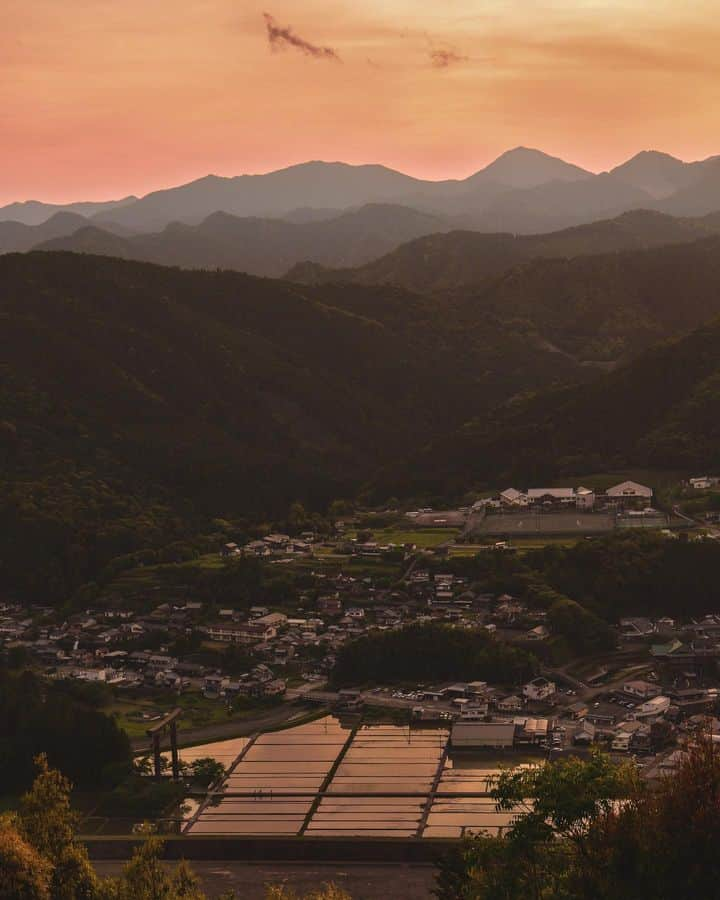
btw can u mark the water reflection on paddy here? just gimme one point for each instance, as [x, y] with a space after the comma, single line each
[225, 752]
[295, 761]
[274, 787]
[453, 816]
[381, 759]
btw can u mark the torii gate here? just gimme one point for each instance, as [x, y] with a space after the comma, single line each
[156, 733]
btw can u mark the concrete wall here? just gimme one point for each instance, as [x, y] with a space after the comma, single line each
[423, 850]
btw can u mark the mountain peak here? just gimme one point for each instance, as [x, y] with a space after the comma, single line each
[526, 167]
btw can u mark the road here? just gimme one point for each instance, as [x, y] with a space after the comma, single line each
[363, 881]
[219, 731]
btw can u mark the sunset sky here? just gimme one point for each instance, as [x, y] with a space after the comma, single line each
[101, 98]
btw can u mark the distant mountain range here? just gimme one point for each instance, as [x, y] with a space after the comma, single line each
[376, 244]
[523, 191]
[467, 258]
[18, 237]
[258, 246]
[33, 212]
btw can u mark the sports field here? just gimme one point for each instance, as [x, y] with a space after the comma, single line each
[531, 523]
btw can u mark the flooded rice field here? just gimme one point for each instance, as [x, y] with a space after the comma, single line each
[273, 786]
[328, 779]
[381, 760]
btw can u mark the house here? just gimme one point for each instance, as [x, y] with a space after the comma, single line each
[498, 735]
[671, 648]
[651, 709]
[539, 689]
[277, 542]
[584, 498]
[355, 612]
[629, 493]
[562, 496]
[274, 688]
[621, 742]
[230, 549]
[510, 704]
[256, 548]
[578, 710]
[248, 633]
[513, 497]
[538, 633]
[635, 627]
[474, 712]
[531, 730]
[702, 483]
[329, 604]
[262, 673]
[585, 733]
[641, 690]
[271, 620]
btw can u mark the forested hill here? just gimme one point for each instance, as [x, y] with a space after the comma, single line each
[139, 402]
[464, 258]
[662, 410]
[136, 400]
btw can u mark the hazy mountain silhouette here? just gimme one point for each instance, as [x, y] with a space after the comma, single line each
[15, 236]
[262, 246]
[33, 212]
[338, 186]
[523, 190]
[524, 167]
[315, 184]
[659, 174]
[701, 196]
[18, 236]
[459, 258]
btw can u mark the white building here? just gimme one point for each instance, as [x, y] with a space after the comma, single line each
[513, 497]
[658, 706]
[562, 495]
[630, 491]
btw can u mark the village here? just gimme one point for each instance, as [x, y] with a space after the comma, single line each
[643, 697]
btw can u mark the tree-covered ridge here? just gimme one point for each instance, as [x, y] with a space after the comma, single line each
[138, 401]
[40, 716]
[461, 259]
[661, 411]
[434, 652]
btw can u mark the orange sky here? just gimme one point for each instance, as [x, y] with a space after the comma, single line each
[100, 98]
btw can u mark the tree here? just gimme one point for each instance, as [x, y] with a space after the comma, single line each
[328, 891]
[24, 873]
[592, 830]
[206, 770]
[145, 877]
[48, 823]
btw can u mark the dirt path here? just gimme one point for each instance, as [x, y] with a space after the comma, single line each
[219, 731]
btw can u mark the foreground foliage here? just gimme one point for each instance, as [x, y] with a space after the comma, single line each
[594, 831]
[41, 857]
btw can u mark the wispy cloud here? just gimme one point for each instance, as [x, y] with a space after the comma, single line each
[280, 38]
[443, 58]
